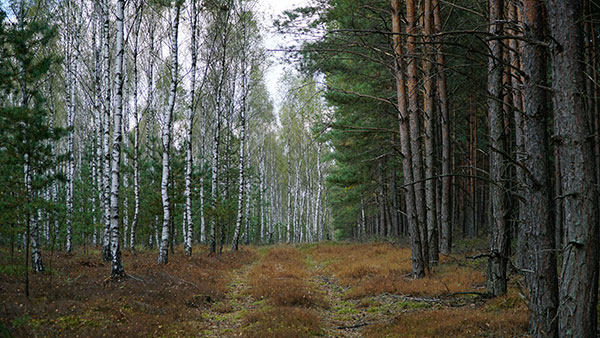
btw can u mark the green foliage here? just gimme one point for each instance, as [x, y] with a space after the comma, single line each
[26, 138]
[358, 63]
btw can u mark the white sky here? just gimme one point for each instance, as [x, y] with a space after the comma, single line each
[272, 9]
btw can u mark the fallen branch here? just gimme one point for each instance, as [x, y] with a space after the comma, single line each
[353, 326]
[133, 277]
[481, 294]
[481, 255]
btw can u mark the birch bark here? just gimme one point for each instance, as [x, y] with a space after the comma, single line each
[166, 139]
[116, 265]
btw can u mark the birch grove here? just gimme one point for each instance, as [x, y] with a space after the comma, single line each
[186, 124]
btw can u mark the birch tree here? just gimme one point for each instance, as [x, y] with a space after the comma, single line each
[106, 250]
[116, 267]
[243, 189]
[136, 131]
[188, 155]
[166, 135]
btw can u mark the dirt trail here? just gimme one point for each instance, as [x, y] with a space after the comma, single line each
[342, 318]
[225, 318]
[349, 317]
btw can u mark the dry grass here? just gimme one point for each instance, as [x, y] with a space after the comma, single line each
[356, 261]
[500, 317]
[282, 322]
[371, 269]
[282, 278]
[279, 296]
[457, 280]
[78, 298]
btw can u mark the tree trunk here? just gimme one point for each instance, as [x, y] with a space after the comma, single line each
[442, 91]
[499, 232]
[579, 274]
[318, 201]
[116, 266]
[105, 144]
[189, 219]
[428, 96]
[517, 101]
[241, 179]
[70, 77]
[163, 255]
[136, 140]
[538, 225]
[248, 187]
[418, 261]
[415, 128]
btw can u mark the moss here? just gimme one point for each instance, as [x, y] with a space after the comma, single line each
[375, 309]
[345, 307]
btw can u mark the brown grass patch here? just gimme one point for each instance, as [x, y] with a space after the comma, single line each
[78, 298]
[454, 323]
[457, 280]
[279, 322]
[281, 277]
[356, 261]
[371, 269]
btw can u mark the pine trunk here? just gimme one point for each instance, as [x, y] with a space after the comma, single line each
[579, 274]
[499, 232]
[418, 261]
[428, 97]
[442, 91]
[415, 128]
[538, 227]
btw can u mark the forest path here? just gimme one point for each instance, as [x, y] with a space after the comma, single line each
[348, 317]
[226, 315]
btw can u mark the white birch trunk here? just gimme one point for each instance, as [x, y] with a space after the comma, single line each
[99, 198]
[318, 201]
[188, 219]
[106, 251]
[70, 85]
[240, 213]
[288, 236]
[125, 143]
[201, 185]
[166, 140]
[34, 232]
[261, 231]
[248, 187]
[296, 209]
[136, 142]
[116, 266]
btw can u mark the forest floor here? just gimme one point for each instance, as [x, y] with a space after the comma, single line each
[326, 289]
